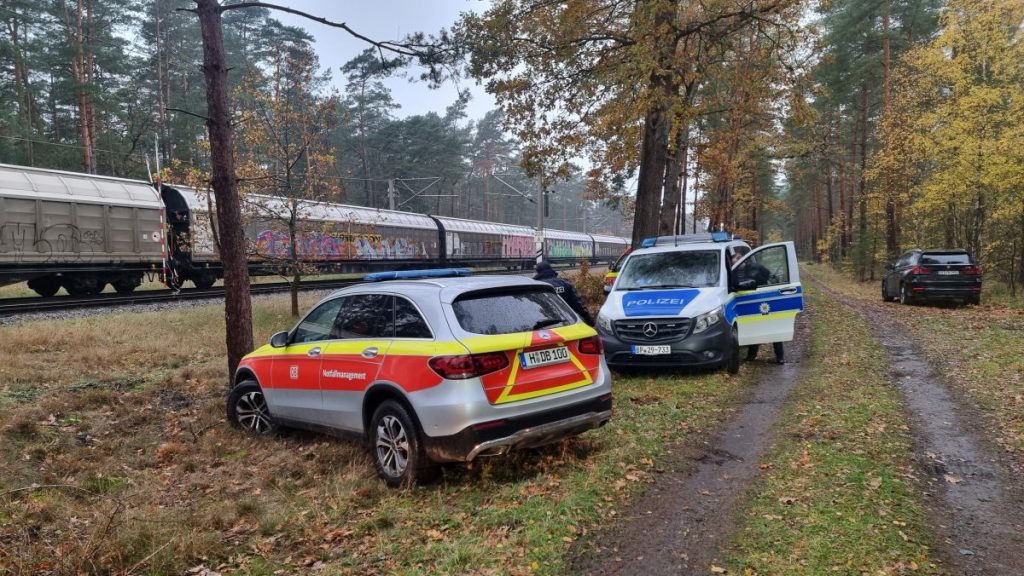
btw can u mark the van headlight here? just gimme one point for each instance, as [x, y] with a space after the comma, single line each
[707, 320]
[604, 324]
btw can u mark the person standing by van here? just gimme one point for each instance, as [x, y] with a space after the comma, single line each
[564, 288]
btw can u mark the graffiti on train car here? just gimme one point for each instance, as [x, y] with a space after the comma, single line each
[57, 243]
[340, 246]
[517, 246]
[568, 249]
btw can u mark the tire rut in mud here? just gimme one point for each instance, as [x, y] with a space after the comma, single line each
[973, 491]
[677, 525]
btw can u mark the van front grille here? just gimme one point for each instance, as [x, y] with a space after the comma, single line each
[645, 330]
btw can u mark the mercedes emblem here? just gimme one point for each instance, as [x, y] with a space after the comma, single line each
[650, 329]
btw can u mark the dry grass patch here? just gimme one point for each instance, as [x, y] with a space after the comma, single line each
[117, 458]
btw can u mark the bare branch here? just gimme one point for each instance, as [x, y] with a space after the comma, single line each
[200, 116]
[403, 49]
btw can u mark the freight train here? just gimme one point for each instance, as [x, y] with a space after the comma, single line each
[82, 232]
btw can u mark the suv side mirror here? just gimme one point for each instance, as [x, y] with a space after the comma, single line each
[279, 340]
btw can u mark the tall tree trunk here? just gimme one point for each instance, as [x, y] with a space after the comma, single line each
[840, 157]
[23, 89]
[237, 302]
[862, 200]
[685, 178]
[653, 157]
[74, 29]
[892, 248]
[673, 183]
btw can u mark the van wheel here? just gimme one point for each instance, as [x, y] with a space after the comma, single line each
[247, 409]
[397, 447]
[732, 361]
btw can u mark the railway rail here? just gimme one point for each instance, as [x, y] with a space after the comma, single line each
[11, 306]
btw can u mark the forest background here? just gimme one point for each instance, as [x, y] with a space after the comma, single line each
[859, 128]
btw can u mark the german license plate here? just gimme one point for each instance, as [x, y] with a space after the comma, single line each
[544, 357]
[948, 272]
[652, 350]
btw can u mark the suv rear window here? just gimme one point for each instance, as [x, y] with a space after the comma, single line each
[950, 258]
[510, 311]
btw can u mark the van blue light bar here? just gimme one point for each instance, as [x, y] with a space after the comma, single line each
[417, 274]
[648, 242]
[721, 236]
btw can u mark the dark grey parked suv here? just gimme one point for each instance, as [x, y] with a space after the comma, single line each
[933, 275]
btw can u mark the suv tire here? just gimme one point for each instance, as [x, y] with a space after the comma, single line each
[396, 447]
[247, 409]
[905, 297]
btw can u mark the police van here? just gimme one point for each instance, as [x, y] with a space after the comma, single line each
[694, 300]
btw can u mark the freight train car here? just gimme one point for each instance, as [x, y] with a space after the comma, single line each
[330, 237]
[77, 231]
[81, 232]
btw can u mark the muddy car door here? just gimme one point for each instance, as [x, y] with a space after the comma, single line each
[766, 294]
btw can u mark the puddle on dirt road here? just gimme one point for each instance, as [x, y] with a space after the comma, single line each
[975, 497]
[677, 525]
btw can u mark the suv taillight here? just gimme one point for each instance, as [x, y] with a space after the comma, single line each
[468, 365]
[920, 270]
[972, 271]
[592, 345]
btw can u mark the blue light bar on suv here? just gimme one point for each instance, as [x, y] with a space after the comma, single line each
[417, 274]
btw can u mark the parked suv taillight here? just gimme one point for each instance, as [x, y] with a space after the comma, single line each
[592, 345]
[468, 365]
[920, 270]
[972, 271]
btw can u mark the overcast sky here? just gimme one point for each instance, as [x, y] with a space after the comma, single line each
[387, 20]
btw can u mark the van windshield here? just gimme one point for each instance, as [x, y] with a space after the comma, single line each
[677, 269]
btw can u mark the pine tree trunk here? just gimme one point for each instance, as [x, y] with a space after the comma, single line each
[843, 239]
[892, 248]
[673, 183]
[75, 34]
[653, 156]
[862, 200]
[237, 302]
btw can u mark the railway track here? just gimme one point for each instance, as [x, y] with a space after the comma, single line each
[11, 306]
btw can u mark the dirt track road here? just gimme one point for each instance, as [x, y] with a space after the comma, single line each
[973, 490]
[676, 527]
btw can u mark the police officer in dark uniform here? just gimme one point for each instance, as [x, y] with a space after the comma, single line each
[563, 288]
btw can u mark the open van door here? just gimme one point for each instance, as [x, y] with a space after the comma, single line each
[768, 294]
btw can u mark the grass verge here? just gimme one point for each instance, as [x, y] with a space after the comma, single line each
[116, 458]
[977, 348]
[838, 494]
